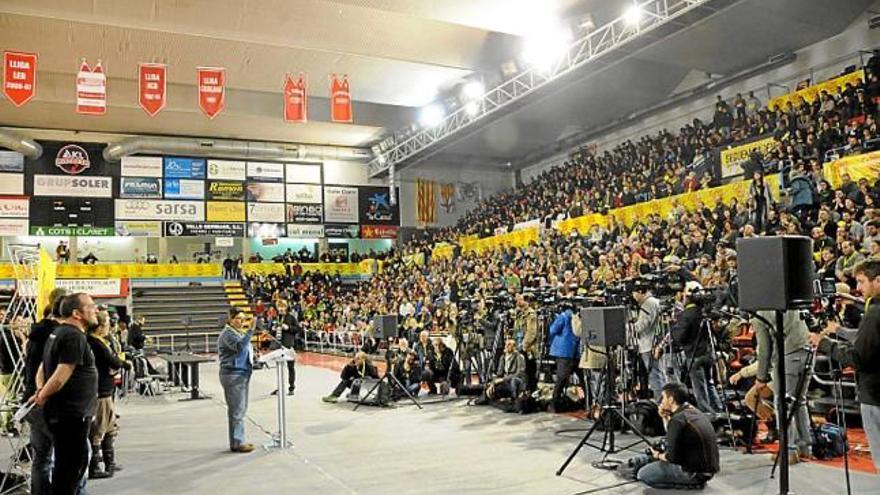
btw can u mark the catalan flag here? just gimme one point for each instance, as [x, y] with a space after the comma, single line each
[426, 202]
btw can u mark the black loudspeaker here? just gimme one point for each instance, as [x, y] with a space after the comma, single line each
[385, 326]
[604, 327]
[775, 273]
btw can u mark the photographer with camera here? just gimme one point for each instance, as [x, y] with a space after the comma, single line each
[357, 369]
[862, 354]
[690, 334]
[645, 331]
[691, 455]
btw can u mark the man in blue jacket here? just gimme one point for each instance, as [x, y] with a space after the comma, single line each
[564, 347]
[236, 366]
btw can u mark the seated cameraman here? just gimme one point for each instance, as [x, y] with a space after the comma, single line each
[510, 377]
[409, 374]
[689, 334]
[863, 353]
[691, 455]
[359, 367]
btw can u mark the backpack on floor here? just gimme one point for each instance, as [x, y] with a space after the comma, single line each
[645, 416]
[828, 441]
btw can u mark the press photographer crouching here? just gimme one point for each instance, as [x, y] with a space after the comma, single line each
[357, 369]
[510, 378]
[691, 454]
[863, 353]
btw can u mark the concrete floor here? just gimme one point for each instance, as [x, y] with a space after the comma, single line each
[172, 447]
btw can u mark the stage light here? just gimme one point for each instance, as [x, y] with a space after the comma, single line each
[633, 15]
[472, 90]
[472, 108]
[543, 48]
[432, 115]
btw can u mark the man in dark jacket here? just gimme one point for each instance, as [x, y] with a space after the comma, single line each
[689, 335]
[287, 337]
[358, 368]
[136, 337]
[40, 437]
[863, 353]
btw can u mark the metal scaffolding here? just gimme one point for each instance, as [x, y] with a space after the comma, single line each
[605, 39]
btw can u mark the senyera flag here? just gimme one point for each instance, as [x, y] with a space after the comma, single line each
[19, 76]
[296, 100]
[212, 90]
[340, 99]
[91, 89]
[151, 87]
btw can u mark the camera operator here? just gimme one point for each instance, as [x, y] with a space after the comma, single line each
[409, 374]
[691, 456]
[527, 322]
[510, 377]
[689, 334]
[564, 347]
[645, 330]
[795, 334]
[863, 353]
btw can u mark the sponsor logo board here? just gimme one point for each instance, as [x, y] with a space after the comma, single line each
[305, 213]
[184, 168]
[13, 226]
[226, 169]
[266, 212]
[11, 161]
[14, 207]
[303, 193]
[302, 173]
[136, 228]
[72, 231]
[141, 166]
[341, 204]
[227, 191]
[267, 192]
[300, 231]
[378, 232]
[342, 231]
[78, 187]
[95, 287]
[184, 189]
[202, 229]
[265, 171]
[154, 209]
[225, 211]
[73, 159]
[140, 187]
[11, 183]
[266, 230]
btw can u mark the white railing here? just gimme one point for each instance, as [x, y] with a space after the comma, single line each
[172, 342]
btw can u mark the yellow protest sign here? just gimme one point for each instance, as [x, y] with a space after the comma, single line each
[832, 86]
[732, 158]
[865, 166]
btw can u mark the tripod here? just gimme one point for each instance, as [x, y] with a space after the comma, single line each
[390, 380]
[610, 412]
[716, 385]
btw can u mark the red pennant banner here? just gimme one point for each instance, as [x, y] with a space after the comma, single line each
[91, 89]
[296, 100]
[212, 90]
[19, 76]
[340, 99]
[151, 87]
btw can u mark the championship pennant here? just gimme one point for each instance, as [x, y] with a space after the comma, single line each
[296, 100]
[91, 89]
[151, 87]
[212, 90]
[19, 76]
[340, 99]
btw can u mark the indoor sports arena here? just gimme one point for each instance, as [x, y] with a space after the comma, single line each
[457, 247]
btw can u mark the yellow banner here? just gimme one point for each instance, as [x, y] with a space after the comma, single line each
[343, 269]
[865, 166]
[140, 270]
[443, 250]
[518, 238]
[832, 86]
[45, 280]
[225, 211]
[732, 158]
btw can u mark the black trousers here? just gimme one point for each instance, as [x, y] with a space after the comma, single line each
[343, 384]
[564, 369]
[291, 375]
[70, 437]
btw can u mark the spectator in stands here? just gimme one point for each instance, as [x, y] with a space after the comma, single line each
[358, 368]
[67, 389]
[759, 201]
[236, 365]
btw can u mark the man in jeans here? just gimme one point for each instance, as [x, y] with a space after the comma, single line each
[645, 329]
[236, 366]
[67, 389]
[691, 455]
[40, 437]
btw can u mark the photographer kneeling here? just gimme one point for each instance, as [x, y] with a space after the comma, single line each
[510, 378]
[357, 369]
[691, 456]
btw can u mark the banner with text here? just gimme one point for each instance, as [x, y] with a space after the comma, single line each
[142, 166]
[265, 171]
[184, 189]
[341, 204]
[201, 229]
[154, 209]
[264, 192]
[78, 187]
[266, 212]
[140, 187]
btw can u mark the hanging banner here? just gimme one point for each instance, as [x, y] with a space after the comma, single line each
[296, 102]
[340, 100]
[151, 87]
[140, 187]
[226, 190]
[864, 166]
[265, 171]
[426, 206]
[341, 204]
[141, 166]
[14, 207]
[304, 193]
[91, 89]
[268, 192]
[305, 213]
[212, 90]
[19, 76]
[139, 270]
[225, 211]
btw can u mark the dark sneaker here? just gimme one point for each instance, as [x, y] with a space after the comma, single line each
[244, 448]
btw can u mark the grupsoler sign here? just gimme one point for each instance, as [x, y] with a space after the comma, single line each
[73, 186]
